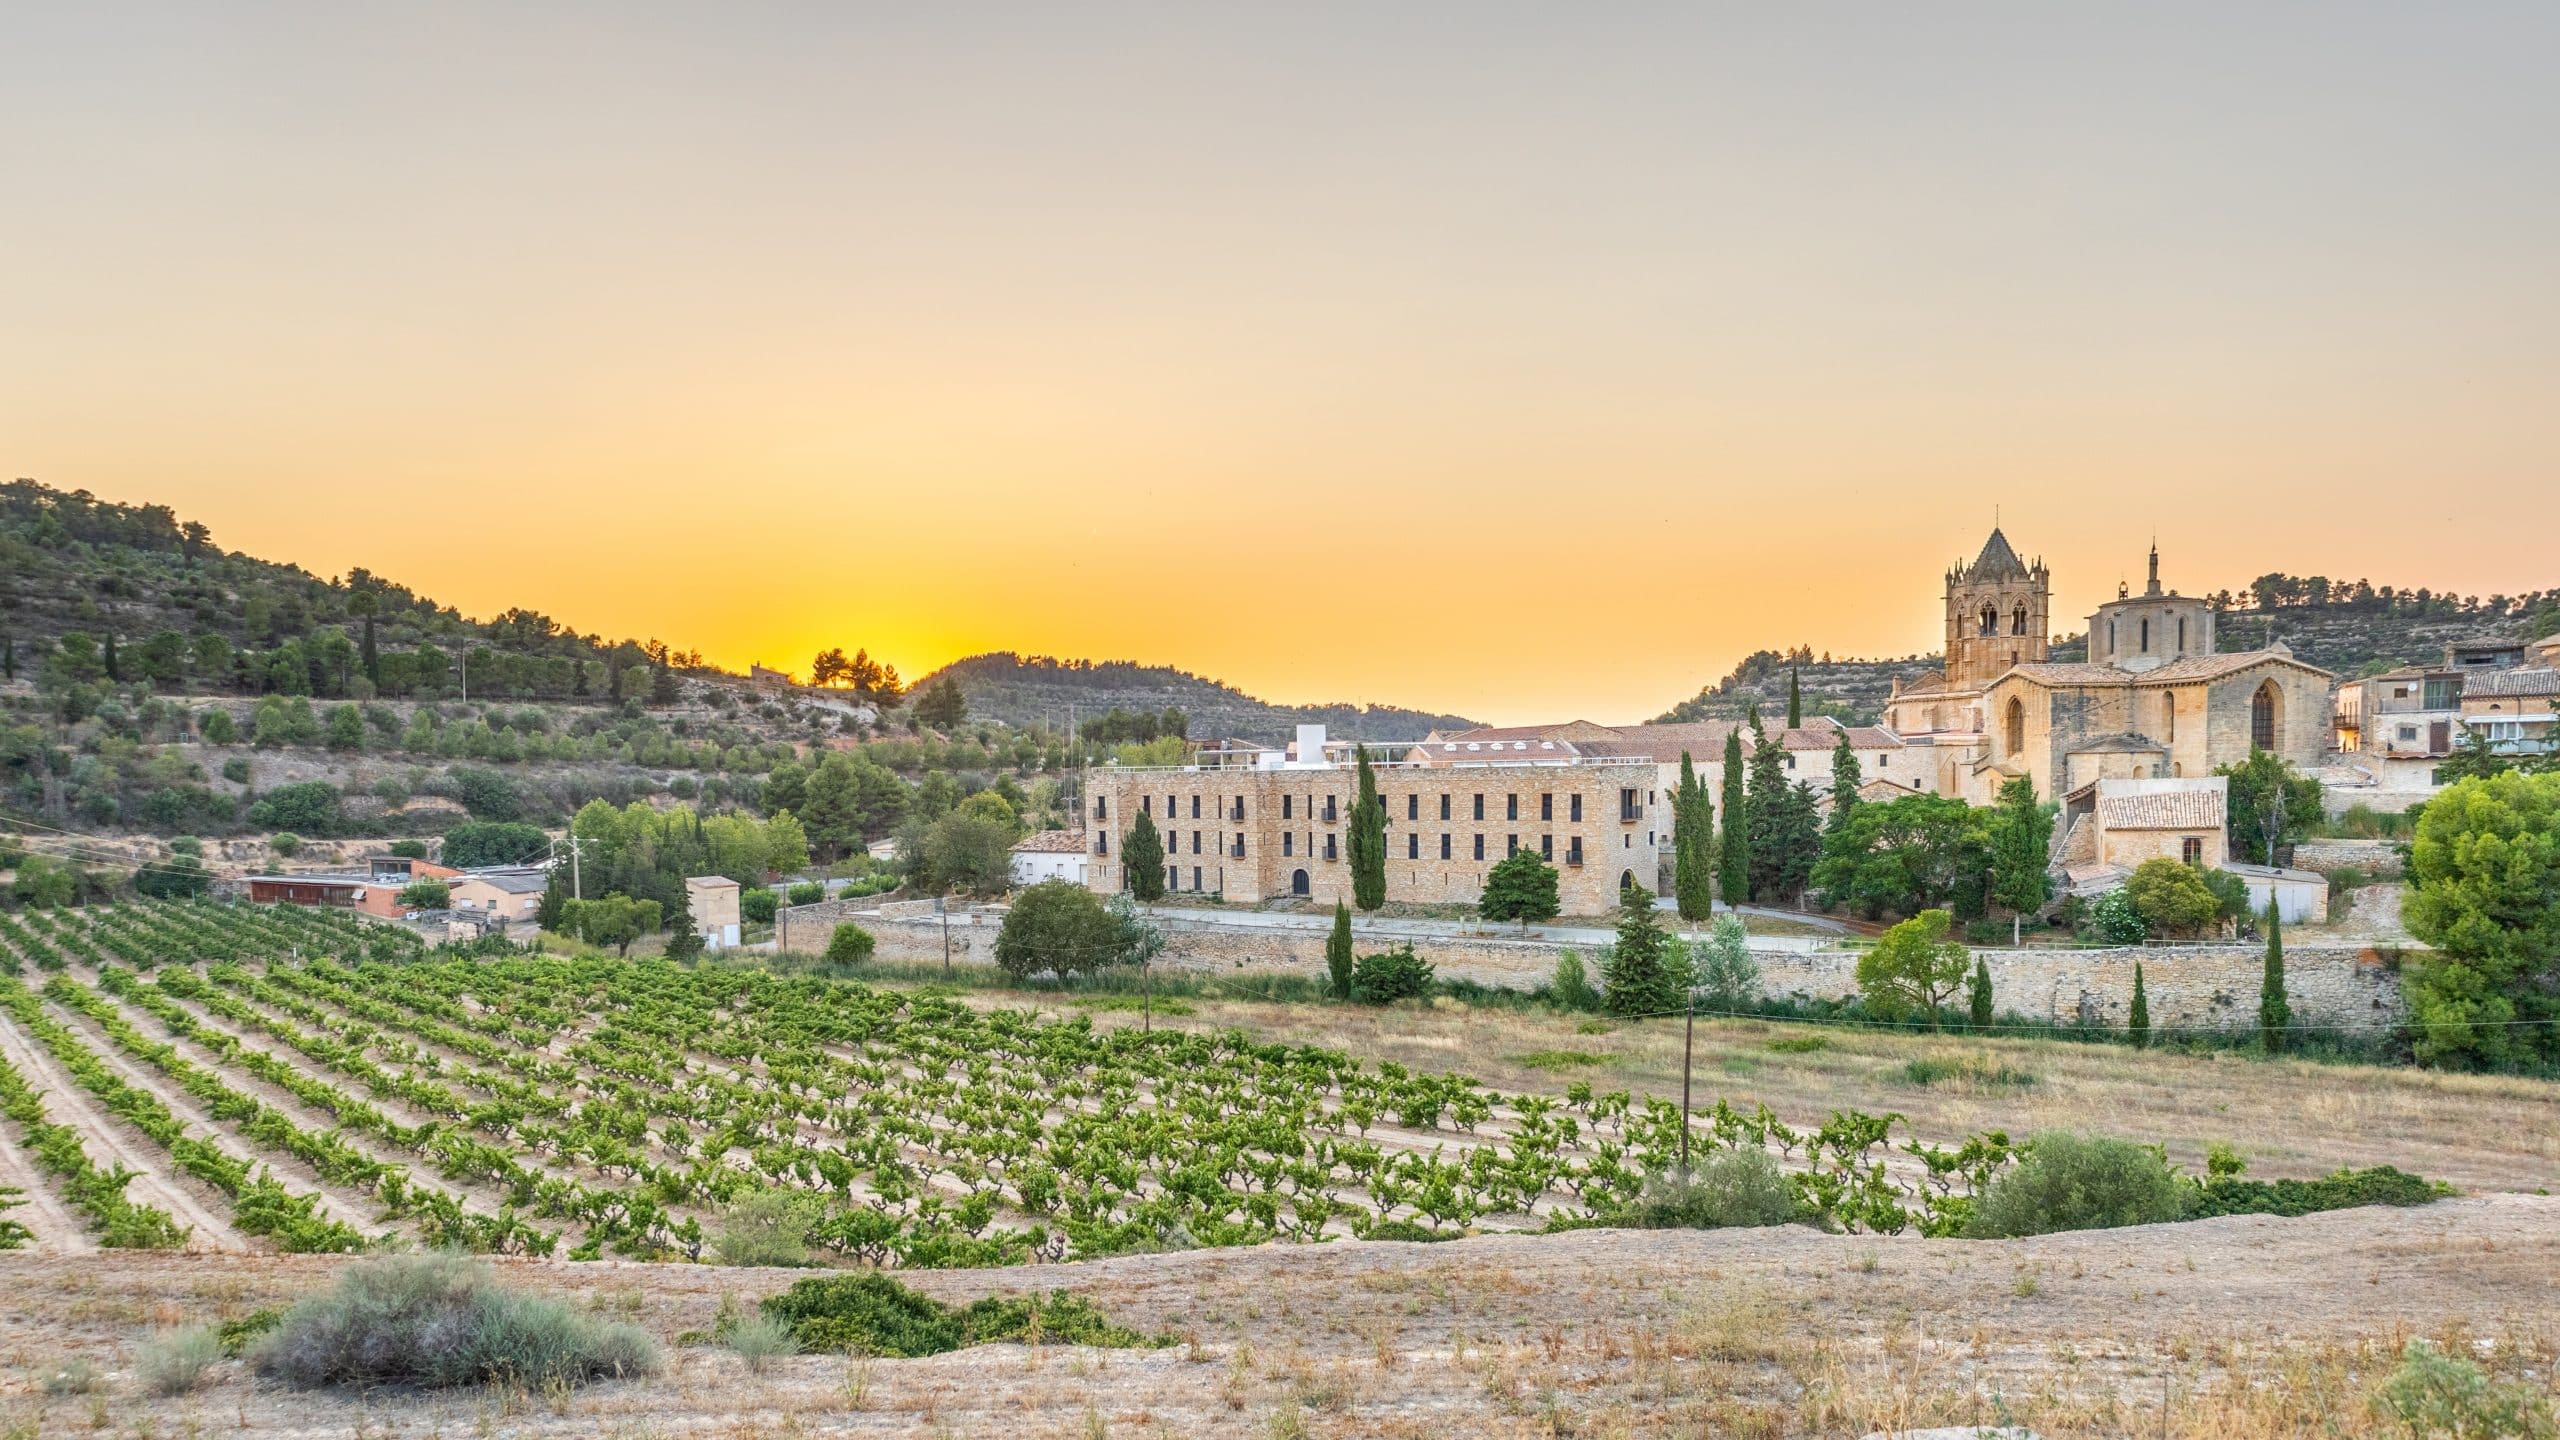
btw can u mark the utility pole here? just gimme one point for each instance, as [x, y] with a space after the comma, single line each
[943, 908]
[1147, 989]
[1688, 1048]
[577, 882]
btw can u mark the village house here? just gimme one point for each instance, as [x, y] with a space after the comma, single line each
[1049, 855]
[713, 899]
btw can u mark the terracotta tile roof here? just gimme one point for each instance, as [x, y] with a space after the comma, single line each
[2198, 809]
[1051, 842]
[2213, 667]
[2536, 681]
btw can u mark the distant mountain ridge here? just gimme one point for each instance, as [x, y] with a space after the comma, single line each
[1035, 689]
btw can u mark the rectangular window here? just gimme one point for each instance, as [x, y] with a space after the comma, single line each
[1195, 842]
[1573, 850]
[1288, 842]
[1510, 846]
[1444, 844]
[1546, 807]
[1413, 806]
[1195, 877]
[1444, 807]
[1146, 804]
[1101, 842]
[1328, 845]
[1173, 877]
[1479, 844]
[2192, 850]
[1629, 808]
[1511, 807]
[1170, 807]
[1101, 807]
[1287, 806]
[1195, 807]
[1546, 847]
[1577, 807]
[1413, 844]
[1328, 809]
[1239, 850]
[1239, 815]
[1479, 805]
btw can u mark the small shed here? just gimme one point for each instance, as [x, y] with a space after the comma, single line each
[2301, 896]
[714, 902]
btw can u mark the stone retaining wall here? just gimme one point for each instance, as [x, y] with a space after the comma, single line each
[2371, 856]
[2189, 987]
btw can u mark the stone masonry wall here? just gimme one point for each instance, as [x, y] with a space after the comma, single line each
[2190, 987]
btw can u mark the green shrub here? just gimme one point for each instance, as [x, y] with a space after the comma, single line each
[871, 1314]
[766, 1227]
[2079, 1182]
[1800, 1044]
[850, 945]
[1559, 1059]
[2117, 920]
[2229, 1194]
[285, 843]
[1393, 975]
[2436, 1394]
[1573, 983]
[1731, 1189]
[238, 1334]
[174, 1361]
[1976, 1070]
[757, 905]
[1409, 1231]
[439, 1320]
[807, 892]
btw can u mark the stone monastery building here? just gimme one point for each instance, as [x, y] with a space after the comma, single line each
[2154, 700]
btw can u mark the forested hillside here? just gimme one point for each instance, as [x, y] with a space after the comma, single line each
[1038, 689]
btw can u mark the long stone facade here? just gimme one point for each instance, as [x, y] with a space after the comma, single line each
[1278, 828]
[2188, 987]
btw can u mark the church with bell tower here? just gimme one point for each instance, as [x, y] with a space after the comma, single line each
[2154, 700]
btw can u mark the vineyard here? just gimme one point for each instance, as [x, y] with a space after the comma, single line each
[183, 1073]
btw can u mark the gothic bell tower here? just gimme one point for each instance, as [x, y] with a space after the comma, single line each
[1998, 614]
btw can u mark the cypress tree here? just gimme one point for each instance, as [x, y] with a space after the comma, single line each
[1692, 845]
[683, 941]
[1846, 777]
[1767, 819]
[555, 898]
[2137, 1023]
[112, 672]
[1368, 840]
[1795, 702]
[1978, 998]
[2275, 1013]
[1733, 850]
[1142, 859]
[1337, 952]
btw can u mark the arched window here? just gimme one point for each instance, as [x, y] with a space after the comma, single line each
[1990, 620]
[2018, 621]
[2014, 729]
[2182, 634]
[2266, 714]
[2146, 635]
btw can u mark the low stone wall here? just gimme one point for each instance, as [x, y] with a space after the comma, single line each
[2371, 856]
[2189, 987]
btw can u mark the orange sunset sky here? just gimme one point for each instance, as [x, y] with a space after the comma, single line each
[1521, 361]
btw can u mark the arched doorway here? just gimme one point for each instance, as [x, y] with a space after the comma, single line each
[1626, 882]
[2266, 716]
[2013, 726]
[1298, 883]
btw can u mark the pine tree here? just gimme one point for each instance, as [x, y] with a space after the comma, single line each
[1795, 703]
[2137, 1022]
[1765, 817]
[1142, 856]
[2275, 1013]
[1368, 840]
[1643, 974]
[1337, 952]
[613, 682]
[1733, 850]
[662, 685]
[1521, 886]
[1846, 777]
[2021, 849]
[1978, 1000]
[1693, 844]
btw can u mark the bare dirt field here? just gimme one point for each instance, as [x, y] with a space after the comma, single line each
[2241, 1326]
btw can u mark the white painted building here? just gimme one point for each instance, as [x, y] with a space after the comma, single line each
[1049, 855]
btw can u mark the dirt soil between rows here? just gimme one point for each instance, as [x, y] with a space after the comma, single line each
[1602, 1332]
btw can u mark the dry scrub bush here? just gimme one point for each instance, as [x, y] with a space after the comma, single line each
[438, 1320]
[174, 1361]
[2079, 1182]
